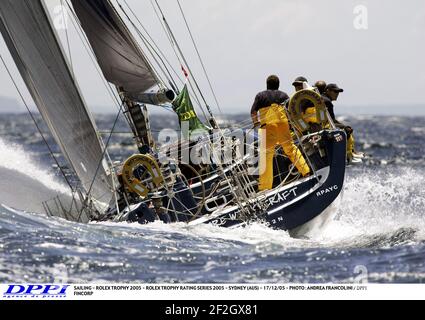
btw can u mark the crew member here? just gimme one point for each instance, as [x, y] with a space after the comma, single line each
[321, 86]
[275, 130]
[299, 83]
[331, 94]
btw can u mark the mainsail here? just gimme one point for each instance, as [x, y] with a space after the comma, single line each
[120, 58]
[35, 47]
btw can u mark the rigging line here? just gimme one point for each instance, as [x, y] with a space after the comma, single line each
[237, 194]
[113, 94]
[103, 155]
[161, 22]
[159, 18]
[184, 59]
[36, 125]
[153, 44]
[193, 93]
[135, 44]
[199, 56]
[151, 50]
[109, 88]
[91, 54]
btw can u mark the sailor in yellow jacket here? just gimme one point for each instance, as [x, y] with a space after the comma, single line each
[274, 131]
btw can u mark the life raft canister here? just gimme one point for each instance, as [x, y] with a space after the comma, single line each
[148, 171]
[317, 114]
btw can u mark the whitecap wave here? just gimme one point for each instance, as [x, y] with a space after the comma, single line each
[380, 203]
[25, 184]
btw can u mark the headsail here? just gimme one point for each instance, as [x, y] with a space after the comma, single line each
[34, 45]
[117, 52]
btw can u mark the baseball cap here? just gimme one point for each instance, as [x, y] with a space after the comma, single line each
[299, 80]
[334, 87]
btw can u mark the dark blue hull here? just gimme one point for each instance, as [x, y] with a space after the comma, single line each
[295, 204]
[287, 207]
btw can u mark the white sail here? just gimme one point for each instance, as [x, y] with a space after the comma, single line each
[36, 50]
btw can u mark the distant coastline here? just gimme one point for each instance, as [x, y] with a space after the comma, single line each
[11, 105]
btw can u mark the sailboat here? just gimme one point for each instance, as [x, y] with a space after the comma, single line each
[143, 188]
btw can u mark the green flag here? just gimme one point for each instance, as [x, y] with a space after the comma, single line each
[184, 108]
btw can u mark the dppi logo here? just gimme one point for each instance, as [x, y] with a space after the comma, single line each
[36, 291]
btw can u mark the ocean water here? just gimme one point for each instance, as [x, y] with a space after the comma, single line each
[378, 235]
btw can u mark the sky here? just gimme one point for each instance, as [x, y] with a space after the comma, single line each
[373, 49]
